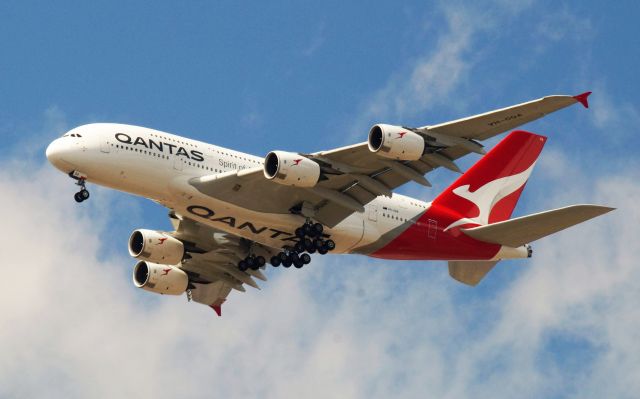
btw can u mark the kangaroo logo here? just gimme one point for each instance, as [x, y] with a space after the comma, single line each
[487, 196]
[401, 135]
[296, 162]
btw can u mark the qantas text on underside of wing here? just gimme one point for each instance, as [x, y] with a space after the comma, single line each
[234, 213]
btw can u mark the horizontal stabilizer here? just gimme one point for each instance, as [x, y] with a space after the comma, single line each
[470, 272]
[525, 229]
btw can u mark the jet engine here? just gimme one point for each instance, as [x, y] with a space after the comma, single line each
[395, 142]
[161, 279]
[291, 169]
[155, 246]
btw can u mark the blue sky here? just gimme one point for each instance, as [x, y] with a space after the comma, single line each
[308, 76]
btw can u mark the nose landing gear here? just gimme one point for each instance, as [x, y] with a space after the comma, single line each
[83, 194]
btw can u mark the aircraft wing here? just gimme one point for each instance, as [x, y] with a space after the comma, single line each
[355, 175]
[489, 124]
[211, 262]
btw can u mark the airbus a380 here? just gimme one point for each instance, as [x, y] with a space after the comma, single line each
[233, 212]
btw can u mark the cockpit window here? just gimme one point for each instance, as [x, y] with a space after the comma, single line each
[72, 135]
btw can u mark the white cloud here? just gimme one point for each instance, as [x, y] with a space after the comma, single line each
[317, 40]
[73, 325]
[432, 78]
[563, 24]
[428, 79]
[618, 118]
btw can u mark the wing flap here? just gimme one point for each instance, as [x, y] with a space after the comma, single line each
[212, 262]
[525, 229]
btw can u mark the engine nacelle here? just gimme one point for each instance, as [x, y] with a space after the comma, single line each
[291, 169]
[161, 279]
[395, 142]
[155, 246]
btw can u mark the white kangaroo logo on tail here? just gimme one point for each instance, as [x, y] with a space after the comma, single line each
[488, 195]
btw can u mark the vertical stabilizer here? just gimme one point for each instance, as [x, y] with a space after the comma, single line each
[489, 190]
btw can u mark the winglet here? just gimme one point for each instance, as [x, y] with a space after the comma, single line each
[218, 309]
[583, 98]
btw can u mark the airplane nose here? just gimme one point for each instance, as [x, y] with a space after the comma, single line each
[56, 152]
[51, 152]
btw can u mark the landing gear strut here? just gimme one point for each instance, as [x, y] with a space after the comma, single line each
[83, 194]
[309, 241]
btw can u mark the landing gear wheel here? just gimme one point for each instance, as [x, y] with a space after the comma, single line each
[251, 262]
[300, 247]
[294, 258]
[275, 261]
[305, 258]
[318, 243]
[300, 232]
[282, 257]
[260, 261]
[318, 228]
[308, 245]
[330, 245]
[83, 194]
[242, 265]
[287, 262]
[308, 230]
[323, 251]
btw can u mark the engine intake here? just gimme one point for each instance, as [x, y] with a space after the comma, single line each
[395, 142]
[161, 279]
[291, 169]
[155, 246]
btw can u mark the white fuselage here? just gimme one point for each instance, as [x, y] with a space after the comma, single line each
[158, 166]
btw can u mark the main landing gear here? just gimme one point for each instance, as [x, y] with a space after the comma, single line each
[251, 262]
[83, 194]
[309, 241]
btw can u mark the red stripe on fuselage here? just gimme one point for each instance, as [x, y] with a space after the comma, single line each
[425, 240]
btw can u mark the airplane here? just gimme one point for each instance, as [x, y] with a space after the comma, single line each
[233, 212]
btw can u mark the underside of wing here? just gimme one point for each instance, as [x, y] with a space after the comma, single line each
[211, 262]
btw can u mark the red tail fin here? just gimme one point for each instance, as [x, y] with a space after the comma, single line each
[489, 191]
